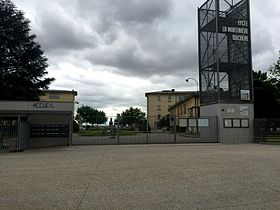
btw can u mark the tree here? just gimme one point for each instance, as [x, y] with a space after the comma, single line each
[134, 118]
[266, 95]
[164, 122]
[22, 63]
[76, 126]
[274, 70]
[87, 114]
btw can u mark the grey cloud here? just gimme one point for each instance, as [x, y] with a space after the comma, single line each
[262, 42]
[148, 49]
[108, 17]
[57, 33]
[136, 11]
[133, 61]
[126, 11]
[107, 98]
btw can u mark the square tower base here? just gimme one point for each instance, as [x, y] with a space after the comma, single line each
[235, 122]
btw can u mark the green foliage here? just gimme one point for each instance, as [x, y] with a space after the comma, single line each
[164, 122]
[22, 63]
[134, 118]
[76, 126]
[267, 95]
[274, 70]
[87, 114]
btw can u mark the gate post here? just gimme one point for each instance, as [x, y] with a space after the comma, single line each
[118, 127]
[175, 129]
[147, 131]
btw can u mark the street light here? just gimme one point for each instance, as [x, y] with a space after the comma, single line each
[196, 101]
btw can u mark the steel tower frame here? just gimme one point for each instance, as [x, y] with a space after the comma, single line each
[225, 60]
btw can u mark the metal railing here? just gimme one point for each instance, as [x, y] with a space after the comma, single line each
[8, 136]
[128, 130]
[267, 130]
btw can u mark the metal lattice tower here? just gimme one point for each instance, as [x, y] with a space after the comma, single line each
[225, 63]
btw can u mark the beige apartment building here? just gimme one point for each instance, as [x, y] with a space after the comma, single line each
[185, 109]
[159, 103]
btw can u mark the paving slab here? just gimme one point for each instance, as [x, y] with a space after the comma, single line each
[186, 176]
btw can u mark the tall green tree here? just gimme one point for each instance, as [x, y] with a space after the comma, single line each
[266, 95]
[87, 114]
[134, 118]
[22, 63]
[274, 70]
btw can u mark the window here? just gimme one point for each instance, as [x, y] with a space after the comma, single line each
[244, 123]
[203, 122]
[227, 123]
[158, 108]
[169, 99]
[183, 123]
[54, 96]
[190, 112]
[192, 122]
[236, 123]
[158, 98]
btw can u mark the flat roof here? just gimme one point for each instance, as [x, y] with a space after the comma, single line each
[168, 92]
[61, 91]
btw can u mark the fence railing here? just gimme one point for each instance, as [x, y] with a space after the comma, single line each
[8, 136]
[267, 130]
[130, 130]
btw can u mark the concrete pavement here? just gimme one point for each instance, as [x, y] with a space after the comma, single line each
[189, 176]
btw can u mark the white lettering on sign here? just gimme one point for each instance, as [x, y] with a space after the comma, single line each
[241, 38]
[237, 30]
[239, 33]
[43, 105]
[242, 23]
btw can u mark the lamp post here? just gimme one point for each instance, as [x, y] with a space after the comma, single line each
[196, 101]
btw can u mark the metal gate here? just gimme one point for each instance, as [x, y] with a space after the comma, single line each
[8, 134]
[154, 130]
[208, 129]
[267, 130]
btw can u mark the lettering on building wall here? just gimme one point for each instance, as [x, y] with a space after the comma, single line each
[239, 32]
[43, 105]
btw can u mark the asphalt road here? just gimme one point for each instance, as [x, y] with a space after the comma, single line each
[189, 176]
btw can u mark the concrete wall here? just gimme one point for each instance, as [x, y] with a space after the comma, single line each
[231, 111]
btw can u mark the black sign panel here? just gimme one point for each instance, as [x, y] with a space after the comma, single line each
[49, 130]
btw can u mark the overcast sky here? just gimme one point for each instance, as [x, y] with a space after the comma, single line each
[113, 51]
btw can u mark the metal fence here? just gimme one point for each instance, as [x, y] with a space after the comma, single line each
[267, 130]
[150, 130]
[8, 134]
